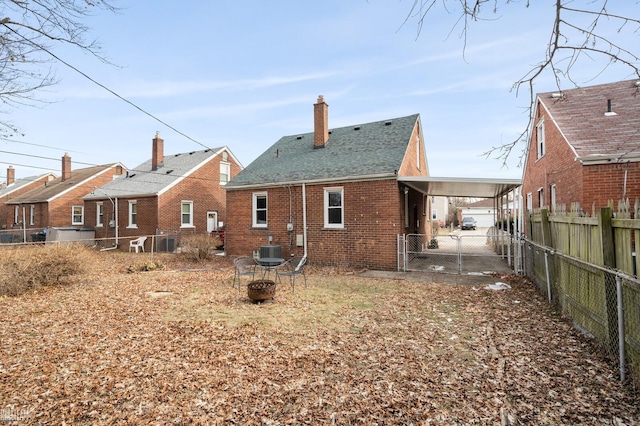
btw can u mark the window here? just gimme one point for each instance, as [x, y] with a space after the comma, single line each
[529, 201]
[32, 214]
[540, 138]
[225, 173]
[186, 213]
[133, 214]
[77, 213]
[334, 207]
[99, 214]
[553, 197]
[434, 214]
[259, 210]
[540, 198]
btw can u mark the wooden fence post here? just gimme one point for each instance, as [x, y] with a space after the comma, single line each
[609, 260]
[546, 228]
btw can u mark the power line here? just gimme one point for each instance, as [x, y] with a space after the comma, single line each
[105, 87]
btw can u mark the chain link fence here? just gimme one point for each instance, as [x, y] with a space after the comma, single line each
[602, 303]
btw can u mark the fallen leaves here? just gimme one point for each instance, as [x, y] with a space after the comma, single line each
[185, 347]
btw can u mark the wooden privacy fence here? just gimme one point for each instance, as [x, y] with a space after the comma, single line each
[588, 267]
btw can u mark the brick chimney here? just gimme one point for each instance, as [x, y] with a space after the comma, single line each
[320, 123]
[157, 154]
[66, 167]
[11, 175]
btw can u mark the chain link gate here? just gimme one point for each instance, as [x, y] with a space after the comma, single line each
[457, 253]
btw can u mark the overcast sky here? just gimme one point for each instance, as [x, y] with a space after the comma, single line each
[244, 73]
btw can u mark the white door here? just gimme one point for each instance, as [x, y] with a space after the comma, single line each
[212, 221]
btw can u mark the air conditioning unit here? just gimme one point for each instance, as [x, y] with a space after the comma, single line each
[271, 251]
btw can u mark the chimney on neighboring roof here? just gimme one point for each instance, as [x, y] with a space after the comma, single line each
[320, 123]
[157, 155]
[66, 167]
[11, 175]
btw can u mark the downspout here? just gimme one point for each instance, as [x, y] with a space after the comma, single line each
[304, 217]
[116, 213]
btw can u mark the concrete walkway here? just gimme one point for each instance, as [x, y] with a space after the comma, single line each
[432, 277]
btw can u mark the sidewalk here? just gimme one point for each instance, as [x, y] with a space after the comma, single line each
[433, 277]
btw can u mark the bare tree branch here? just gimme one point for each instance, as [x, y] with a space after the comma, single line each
[562, 55]
[27, 30]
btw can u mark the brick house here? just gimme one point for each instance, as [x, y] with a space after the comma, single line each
[11, 216]
[584, 147]
[333, 194]
[181, 193]
[58, 203]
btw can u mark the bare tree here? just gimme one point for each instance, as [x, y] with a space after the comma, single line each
[29, 32]
[580, 30]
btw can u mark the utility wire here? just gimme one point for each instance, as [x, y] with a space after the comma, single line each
[105, 87]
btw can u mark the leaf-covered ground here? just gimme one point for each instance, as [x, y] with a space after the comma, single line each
[184, 347]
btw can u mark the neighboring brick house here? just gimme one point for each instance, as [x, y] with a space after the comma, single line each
[11, 216]
[342, 184]
[58, 203]
[584, 147]
[181, 193]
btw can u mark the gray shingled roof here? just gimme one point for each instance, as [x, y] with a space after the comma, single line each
[374, 149]
[142, 181]
[580, 115]
[21, 182]
[57, 186]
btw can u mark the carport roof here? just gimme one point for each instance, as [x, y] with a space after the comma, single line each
[461, 187]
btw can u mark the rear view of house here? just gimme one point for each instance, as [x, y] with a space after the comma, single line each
[333, 194]
[58, 202]
[168, 195]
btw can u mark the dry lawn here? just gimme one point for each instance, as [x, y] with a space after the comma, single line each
[184, 347]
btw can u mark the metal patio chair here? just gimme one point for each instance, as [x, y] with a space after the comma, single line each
[292, 268]
[245, 266]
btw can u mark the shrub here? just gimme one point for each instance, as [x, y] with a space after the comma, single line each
[146, 266]
[199, 248]
[27, 268]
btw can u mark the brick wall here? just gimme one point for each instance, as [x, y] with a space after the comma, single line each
[606, 182]
[7, 212]
[373, 216]
[557, 166]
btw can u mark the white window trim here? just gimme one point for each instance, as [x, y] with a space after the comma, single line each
[130, 224]
[190, 204]
[540, 197]
[540, 143]
[326, 207]
[529, 201]
[99, 217]
[32, 214]
[228, 167]
[254, 205]
[73, 215]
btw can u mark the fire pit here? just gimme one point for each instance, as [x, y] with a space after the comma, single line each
[260, 290]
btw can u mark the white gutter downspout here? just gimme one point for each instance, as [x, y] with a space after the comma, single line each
[304, 217]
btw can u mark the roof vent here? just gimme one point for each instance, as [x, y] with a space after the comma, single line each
[299, 137]
[330, 131]
[192, 152]
[356, 128]
[132, 175]
[609, 112]
[556, 95]
[388, 123]
[169, 171]
[637, 83]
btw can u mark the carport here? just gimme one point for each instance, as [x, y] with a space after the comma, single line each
[457, 252]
